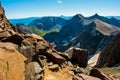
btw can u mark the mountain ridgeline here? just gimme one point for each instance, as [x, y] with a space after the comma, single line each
[91, 33]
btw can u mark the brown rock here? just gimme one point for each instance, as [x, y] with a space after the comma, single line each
[77, 78]
[42, 45]
[80, 57]
[97, 73]
[4, 34]
[86, 77]
[54, 67]
[28, 42]
[33, 71]
[12, 65]
[28, 52]
[8, 45]
[16, 39]
[34, 36]
[50, 63]
[11, 32]
[55, 57]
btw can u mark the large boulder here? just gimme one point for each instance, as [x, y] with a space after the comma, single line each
[55, 57]
[12, 65]
[80, 57]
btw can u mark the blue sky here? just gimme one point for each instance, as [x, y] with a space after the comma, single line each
[36, 8]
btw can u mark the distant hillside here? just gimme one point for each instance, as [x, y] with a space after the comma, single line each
[25, 21]
[47, 23]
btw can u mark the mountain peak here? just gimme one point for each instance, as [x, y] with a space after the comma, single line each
[77, 17]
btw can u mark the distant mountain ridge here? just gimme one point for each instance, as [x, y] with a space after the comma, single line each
[25, 21]
[91, 33]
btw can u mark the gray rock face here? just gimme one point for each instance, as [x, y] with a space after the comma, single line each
[110, 56]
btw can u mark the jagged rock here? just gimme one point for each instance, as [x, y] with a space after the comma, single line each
[50, 64]
[28, 52]
[12, 32]
[54, 67]
[77, 78]
[42, 45]
[110, 56]
[4, 34]
[16, 39]
[96, 73]
[8, 45]
[84, 77]
[71, 72]
[33, 71]
[28, 42]
[80, 57]
[12, 65]
[55, 57]
[65, 55]
[34, 36]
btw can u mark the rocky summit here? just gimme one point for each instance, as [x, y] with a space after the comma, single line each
[29, 57]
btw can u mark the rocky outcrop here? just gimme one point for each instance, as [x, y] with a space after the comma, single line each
[80, 57]
[110, 56]
[12, 64]
[99, 74]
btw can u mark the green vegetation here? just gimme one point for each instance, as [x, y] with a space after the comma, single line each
[34, 29]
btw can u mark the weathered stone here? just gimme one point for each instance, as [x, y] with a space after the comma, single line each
[71, 73]
[42, 45]
[55, 57]
[50, 63]
[28, 52]
[86, 77]
[12, 65]
[16, 39]
[28, 42]
[8, 45]
[34, 36]
[77, 78]
[54, 67]
[96, 73]
[80, 57]
[12, 32]
[4, 34]
[33, 71]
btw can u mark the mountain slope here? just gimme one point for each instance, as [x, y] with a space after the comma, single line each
[47, 23]
[90, 34]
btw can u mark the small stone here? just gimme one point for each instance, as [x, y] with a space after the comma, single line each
[50, 64]
[54, 67]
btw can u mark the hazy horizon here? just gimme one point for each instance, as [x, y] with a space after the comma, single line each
[39, 8]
